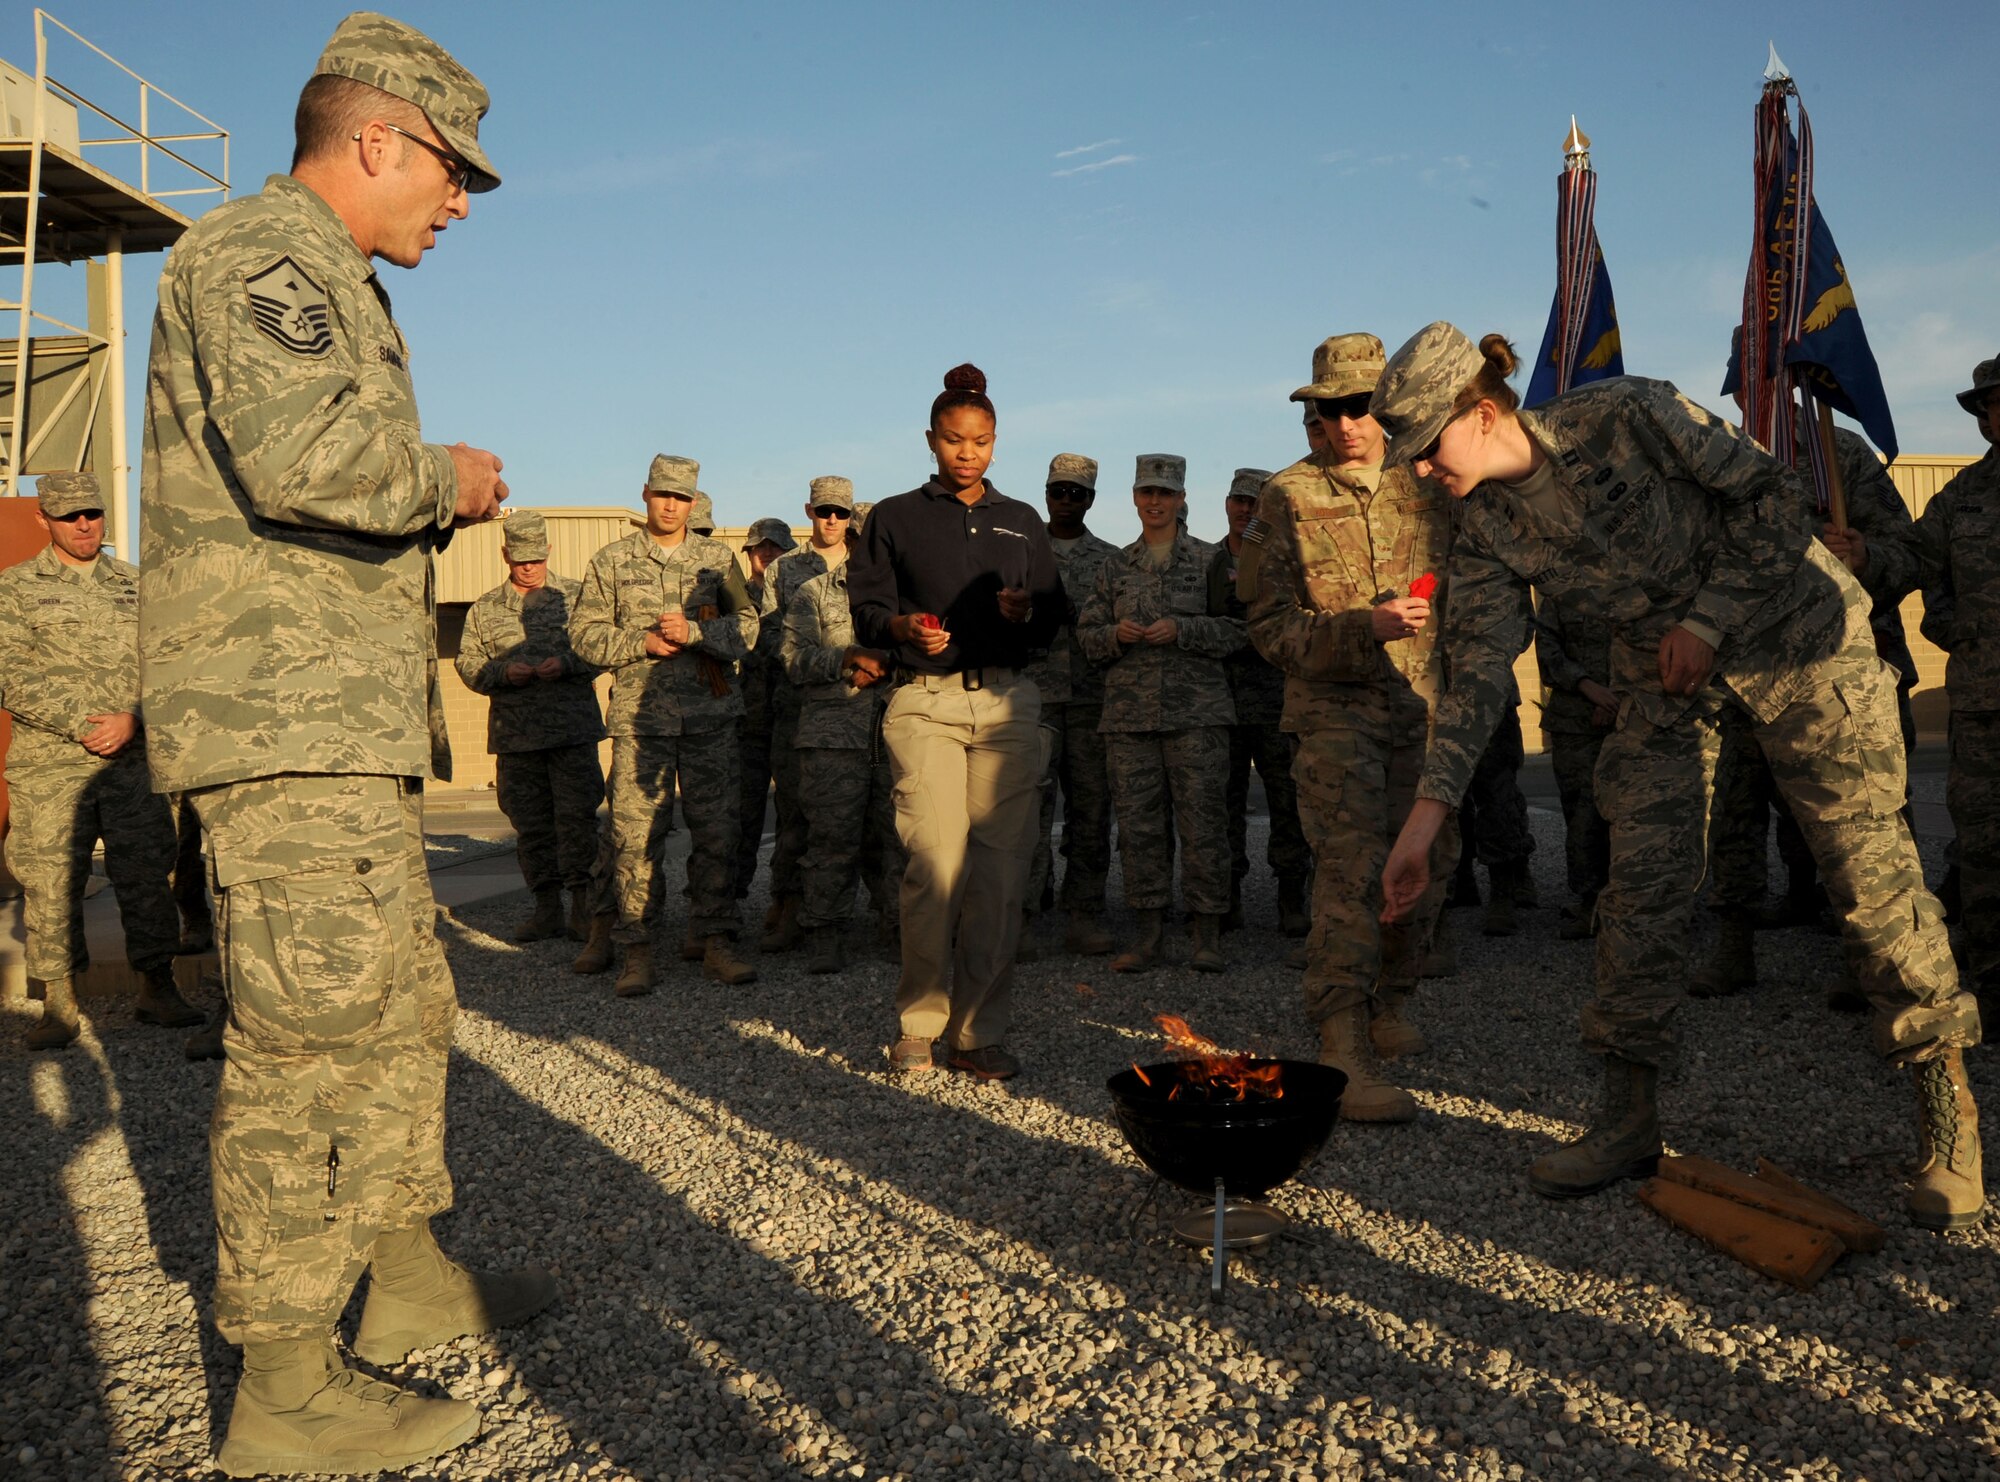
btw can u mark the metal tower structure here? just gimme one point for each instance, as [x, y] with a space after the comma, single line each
[84, 183]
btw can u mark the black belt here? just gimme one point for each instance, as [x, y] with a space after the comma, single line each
[969, 679]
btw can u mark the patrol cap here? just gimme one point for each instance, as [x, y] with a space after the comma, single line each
[772, 529]
[1312, 413]
[833, 490]
[1345, 365]
[66, 493]
[1985, 377]
[1422, 380]
[405, 63]
[675, 476]
[524, 535]
[1161, 471]
[860, 520]
[702, 521]
[1073, 468]
[1248, 483]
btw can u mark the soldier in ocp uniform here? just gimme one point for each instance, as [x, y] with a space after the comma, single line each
[542, 727]
[1644, 514]
[76, 770]
[1258, 738]
[1339, 540]
[290, 512]
[766, 540]
[666, 611]
[1167, 714]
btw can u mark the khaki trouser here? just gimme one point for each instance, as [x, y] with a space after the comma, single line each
[968, 766]
[329, 1120]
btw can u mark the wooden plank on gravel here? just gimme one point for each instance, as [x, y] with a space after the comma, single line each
[1798, 1204]
[1798, 1255]
[1867, 1236]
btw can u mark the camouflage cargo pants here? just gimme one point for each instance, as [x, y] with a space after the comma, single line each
[1494, 813]
[1972, 789]
[753, 746]
[1163, 781]
[1837, 757]
[329, 1120]
[644, 770]
[1740, 822]
[1271, 751]
[59, 812]
[789, 847]
[1586, 837]
[1077, 768]
[1354, 792]
[850, 833]
[551, 797]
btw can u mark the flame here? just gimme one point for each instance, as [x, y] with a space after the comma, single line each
[1218, 1076]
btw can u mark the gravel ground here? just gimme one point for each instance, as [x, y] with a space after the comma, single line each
[777, 1261]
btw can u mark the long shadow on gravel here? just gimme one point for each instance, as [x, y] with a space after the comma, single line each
[51, 1382]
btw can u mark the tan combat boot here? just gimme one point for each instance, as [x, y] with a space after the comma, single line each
[1343, 1044]
[1622, 1141]
[1393, 1035]
[1145, 948]
[1086, 935]
[160, 1001]
[299, 1410]
[1205, 933]
[636, 976]
[1732, 967]
[1949, 1191]
[694, 946]
[1440, 959]
[547, 920]
[720, 963]
[784, 933]
[418, 1297]
[828, 954]
[596, 954]
[59, 1026]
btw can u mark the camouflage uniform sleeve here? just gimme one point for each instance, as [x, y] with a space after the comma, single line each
[483, 671]
[1876, 509]
[1215, 634]
[1484, 626]
[1299, 639]
[304, 445]
[734, 631]
[593, 628]
[1932, 546]
[30, 697]
[1760, 549]
[1097, 623]
[1560, 669]
[807, 657]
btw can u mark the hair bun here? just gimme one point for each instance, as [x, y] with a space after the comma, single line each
[967, 377]
[1496, 349]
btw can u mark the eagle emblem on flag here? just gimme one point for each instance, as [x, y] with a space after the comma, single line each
[291, 308]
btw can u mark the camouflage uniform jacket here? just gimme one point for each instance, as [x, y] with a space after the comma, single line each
[508, 626]
[782, 580]
[1255, 684]
[819, 629]
[1175, 687]
[1659, 513]
[760, 670]
[1876, 509]
[1330, 552]
[289, 507]
[631, 582]
[69, 648]
[1959, 542]
[1567, 654]
[1082, 681]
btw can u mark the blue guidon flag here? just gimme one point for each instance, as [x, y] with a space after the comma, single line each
[1801, 329]
[1582, 341]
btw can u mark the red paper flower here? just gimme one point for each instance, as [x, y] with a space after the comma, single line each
[929, 620]
[1424, 586]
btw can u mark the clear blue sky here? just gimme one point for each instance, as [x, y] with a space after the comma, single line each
[758, 235]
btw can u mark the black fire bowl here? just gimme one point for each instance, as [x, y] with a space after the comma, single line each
[1251, 1145]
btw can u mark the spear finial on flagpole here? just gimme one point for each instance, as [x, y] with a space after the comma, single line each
[1775, 70]
[1576, 146]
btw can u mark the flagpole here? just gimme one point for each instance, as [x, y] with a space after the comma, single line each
[1836, 492]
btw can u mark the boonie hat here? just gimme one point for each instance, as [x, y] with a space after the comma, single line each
[834, 490]
[1345, 365]
[1985, 376]
[1073, 468]
[671, 475]
[772, 529]
[1161, 471]
[1419, 385]
[524, 535]
[1248, 483]
[66, 493]
[405, 63]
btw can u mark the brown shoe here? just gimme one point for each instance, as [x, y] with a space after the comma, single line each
[989, 1063]
[910, 1053]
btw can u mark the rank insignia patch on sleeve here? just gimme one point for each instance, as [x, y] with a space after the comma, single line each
[291, 308]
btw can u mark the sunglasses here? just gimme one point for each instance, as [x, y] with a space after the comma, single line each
[1070, 491]
[457, 173]
[76, 514]
[1428, 453]
[832, 512]
[1353, 408]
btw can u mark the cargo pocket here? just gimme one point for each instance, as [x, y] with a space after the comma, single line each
[311, 959]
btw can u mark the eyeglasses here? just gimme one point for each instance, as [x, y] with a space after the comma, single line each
[832, 512]
[1353, 408]
[457, 173]
[1429, 452]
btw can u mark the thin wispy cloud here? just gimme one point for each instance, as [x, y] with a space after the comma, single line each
[1070, 154]
[1104, 164]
